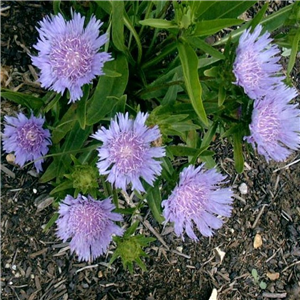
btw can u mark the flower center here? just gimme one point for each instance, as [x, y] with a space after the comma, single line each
[190, 200]
[71, 58]
[126, 152]
[87, 219]
[268, 124]
[251, 69]
[30, 136]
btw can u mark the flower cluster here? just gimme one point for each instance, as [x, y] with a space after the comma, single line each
[275, 124]
[68, 54]
[126, 154]
[89, 224]
[27, 139]
[197, 198]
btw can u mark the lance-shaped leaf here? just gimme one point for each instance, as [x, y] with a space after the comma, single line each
[189, 63]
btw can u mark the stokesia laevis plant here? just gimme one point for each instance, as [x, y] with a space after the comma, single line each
[256, 67]
[27, 139]
[275, 125]
[198, 200]
[89, 223]
[68, 54]
[126, 154]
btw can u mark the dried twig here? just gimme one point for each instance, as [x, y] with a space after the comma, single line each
[274, 295]
[258, 216]
[288, 165]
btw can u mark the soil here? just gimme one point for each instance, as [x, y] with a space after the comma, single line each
[35, 264]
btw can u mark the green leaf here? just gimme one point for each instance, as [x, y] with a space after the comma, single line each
[294, 51]
[100, 105]
[221, 95]
[197, 42]
[210, 27]
[65, 125]
[154, 202]
[158, 23]
[29, 101]
[105, 5]
[74, 141]
[52, 103]
[238, 152]
[262, 285]
[56, 7]
[120, 105]
[226, 9]
[118, 25]
[51, 222]
[65, 185]
[202, 7]
[171, 94]
[189, 62]
[271, 22]
[254, 274]
[81, 106]
[258, 17]
[182, 150]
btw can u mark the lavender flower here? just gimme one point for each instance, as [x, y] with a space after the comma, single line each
[126, 153]
[89, 224]
[68, 54]
[27, 139]
[197, 198]
[275, 124]
[255, 67]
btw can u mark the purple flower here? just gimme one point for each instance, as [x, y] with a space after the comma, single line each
[197, 200]
[27, 139]
[89, 224]
[68, 54]
[126, 153]
[255, 67]
[275, 124]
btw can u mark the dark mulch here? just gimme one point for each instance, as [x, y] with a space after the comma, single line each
[36, 265]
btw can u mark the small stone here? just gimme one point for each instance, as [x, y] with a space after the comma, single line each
[257, 241]
[10, 158]
[14, 267]
[243, 188]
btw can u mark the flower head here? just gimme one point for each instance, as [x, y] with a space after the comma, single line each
[255, 66]
[197, 200]
[27, 139]
[126, 153]
[275, 125]
[68, 54]
[89, 224]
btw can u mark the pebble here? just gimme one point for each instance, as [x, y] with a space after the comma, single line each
[243, 188]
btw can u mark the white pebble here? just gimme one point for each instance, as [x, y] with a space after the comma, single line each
[14, 267]
[34, 191]
[243, 188]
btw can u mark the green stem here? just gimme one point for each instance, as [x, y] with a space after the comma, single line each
[136, 36]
